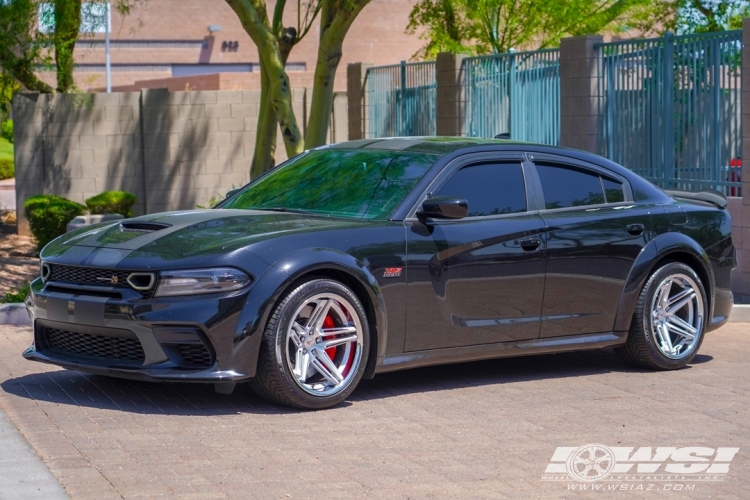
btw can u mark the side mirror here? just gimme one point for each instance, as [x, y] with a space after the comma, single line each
[446, 207]
[232, 192]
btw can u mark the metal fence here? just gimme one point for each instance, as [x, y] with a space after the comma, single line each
[401, 100]
[517, 94]
[670, 109]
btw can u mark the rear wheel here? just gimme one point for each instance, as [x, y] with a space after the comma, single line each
[314, 348]
[669, 320]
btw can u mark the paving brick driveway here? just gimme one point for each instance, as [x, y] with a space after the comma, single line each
[484, 429]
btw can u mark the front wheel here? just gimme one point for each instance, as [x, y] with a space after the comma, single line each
[315, 347]
[669, 320]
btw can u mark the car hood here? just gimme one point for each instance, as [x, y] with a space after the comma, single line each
[195, 232]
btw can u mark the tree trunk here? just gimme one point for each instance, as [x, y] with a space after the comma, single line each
[265, 136]
[333, 28]
[67, 24]
[254, 19]
[21, 70]
[264, 156]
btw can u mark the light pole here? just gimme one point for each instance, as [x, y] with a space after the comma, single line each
[107, 64]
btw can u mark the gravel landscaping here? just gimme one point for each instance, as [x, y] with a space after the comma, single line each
[19, 261]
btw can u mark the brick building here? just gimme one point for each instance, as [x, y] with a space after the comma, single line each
[168, 44]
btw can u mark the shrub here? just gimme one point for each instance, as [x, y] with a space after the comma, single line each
[112, 202]
[16, 295]
[7, 169]
[7, 130]
[48, 216]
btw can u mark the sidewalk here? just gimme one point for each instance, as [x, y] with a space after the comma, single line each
[23, 475]
[8, 194]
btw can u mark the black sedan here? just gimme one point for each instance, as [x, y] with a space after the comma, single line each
[378, 255]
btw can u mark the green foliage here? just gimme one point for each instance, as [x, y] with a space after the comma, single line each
[6, 130]
[703, 16]
[112, 202]
[30, 28]
[16, 295]
[487, 26]
[8, 87]
[48, 215]
[6, 150]
[7, 169]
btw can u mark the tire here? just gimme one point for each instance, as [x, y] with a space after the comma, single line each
[646, 346]
[302, 363]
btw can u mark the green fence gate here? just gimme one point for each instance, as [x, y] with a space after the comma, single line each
[670, 109]
[516, 94]
[401, 100]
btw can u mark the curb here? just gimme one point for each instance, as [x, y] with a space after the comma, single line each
[14, 314]
[740, 313]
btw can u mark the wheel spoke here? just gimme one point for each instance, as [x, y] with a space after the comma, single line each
[664, 290]
[325, 366]
[340, 330]
[338, 341]
[679, 296]
[297, 334]
[680, 327]
[319, 315]
[663, 330]
[302, 363]
[676, 306]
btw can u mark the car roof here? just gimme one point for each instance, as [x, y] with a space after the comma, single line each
[445, 145]
[426, 145]
[441, 146]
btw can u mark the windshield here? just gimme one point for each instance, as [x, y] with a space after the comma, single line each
[355, 183]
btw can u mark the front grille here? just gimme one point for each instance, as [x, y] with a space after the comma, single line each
[194, 355]
[93, 346]
[92, 276]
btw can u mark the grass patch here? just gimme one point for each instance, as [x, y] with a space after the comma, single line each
[16, 295]
[6, 149]
[6, 159]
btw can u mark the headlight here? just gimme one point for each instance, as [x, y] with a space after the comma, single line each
[195, 281]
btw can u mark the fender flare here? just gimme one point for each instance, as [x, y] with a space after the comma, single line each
[655, 251]
[283, 273]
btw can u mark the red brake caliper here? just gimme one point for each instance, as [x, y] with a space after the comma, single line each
[328, 323]
[331, 351]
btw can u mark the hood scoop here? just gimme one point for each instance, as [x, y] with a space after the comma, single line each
[144, 227]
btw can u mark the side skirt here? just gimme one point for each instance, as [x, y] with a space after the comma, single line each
[553, 345]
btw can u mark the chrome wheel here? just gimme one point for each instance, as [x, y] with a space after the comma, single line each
[677, 313]
[324, 344]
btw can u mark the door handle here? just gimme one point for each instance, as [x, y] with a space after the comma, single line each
[635, 229]
[530, 244]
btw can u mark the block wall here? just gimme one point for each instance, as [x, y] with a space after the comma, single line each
[174, 150]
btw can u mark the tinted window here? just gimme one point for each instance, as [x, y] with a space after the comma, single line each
[613, 190]
[567, 187]
[359, 183]
[490, 188]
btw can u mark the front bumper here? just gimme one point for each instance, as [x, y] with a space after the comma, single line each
[84, 330]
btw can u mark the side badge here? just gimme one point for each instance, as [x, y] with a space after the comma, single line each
[392, 272]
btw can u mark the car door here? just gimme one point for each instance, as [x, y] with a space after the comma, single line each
[480, 279]
[594, 234]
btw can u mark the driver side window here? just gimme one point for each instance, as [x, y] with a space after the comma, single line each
[491, 188]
